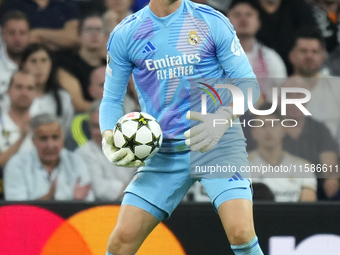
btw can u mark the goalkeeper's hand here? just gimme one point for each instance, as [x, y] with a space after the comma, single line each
[205, 136]
[119, 157]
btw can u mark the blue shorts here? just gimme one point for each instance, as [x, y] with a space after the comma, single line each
[160, 185]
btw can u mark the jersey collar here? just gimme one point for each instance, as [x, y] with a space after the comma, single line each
[167, 20]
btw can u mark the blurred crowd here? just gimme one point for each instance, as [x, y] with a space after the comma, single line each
[52, 71]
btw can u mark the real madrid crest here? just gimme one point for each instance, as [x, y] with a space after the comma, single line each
[193, 38]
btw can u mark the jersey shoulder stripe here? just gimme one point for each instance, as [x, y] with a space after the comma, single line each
[127, 25]
[216, 14]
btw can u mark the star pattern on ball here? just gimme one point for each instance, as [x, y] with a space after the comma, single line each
[142, 121]
[131, 143]
[136, 132]
[154, 143]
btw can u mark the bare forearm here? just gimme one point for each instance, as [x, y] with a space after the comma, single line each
[61, 38]
[307, 195]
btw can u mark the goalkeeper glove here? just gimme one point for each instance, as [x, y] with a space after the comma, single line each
[206, 135]
[120, 157]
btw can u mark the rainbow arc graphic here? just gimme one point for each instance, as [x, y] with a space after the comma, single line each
[209, 93]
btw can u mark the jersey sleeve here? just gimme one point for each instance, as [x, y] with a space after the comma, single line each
[233, 59]
[118, 72]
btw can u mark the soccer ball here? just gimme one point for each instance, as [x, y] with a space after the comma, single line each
[140, 133]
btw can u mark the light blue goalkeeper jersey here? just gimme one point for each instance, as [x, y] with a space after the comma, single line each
[165, 55]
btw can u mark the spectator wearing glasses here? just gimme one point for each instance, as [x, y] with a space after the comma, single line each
[75, 70]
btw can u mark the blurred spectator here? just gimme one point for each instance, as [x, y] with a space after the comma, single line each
[117, 10]
[221, 5]
[327, 16]
[74, 74]
[16, 35]
[266, 62]
[37, 60]
[312, 141]
[80, 132]
[108, 180]
[332, 64]
[53, 22]
[307, 56]
[280, 19]
[14, 124]
[286, 186]
[49, 172]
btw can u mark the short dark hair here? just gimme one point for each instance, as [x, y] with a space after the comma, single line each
[12, 77]
[88, 16]
[14, 15]
[267, 106]
[254, 4]
[308, 32]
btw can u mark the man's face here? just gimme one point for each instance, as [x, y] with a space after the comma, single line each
[16, 35]
[307, 57]
[269, 136]
[49, 141]
[95, 130]
[245, 20]
[96, 88]
[22, 91]
[92, 34]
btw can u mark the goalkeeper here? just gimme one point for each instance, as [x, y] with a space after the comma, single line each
[166, 45]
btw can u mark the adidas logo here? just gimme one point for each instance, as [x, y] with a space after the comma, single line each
[236, 177]
[149, 47]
